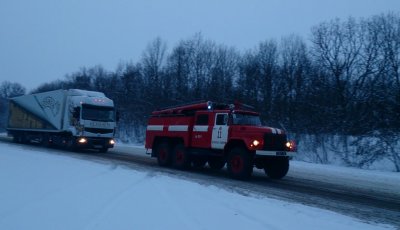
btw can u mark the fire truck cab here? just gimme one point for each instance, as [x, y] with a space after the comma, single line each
[218, 134]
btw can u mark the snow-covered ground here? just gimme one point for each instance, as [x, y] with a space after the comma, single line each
[41, 190]
[372, 180]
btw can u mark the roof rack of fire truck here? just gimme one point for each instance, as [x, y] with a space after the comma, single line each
[192, 107]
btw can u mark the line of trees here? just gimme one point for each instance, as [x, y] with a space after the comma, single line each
[343, 81]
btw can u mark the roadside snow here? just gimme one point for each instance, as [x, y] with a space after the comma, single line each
[373, 180]
[40, 190]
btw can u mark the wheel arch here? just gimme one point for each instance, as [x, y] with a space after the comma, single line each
[233, 144]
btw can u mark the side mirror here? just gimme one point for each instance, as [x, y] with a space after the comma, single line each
[76, 113]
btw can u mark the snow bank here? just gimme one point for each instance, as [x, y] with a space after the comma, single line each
[43, 191]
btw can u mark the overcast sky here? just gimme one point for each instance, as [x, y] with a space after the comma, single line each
[43, 40]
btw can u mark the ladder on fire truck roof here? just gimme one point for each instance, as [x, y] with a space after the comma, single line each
[190, 108]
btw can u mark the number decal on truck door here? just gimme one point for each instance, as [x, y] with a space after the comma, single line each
[220, 131]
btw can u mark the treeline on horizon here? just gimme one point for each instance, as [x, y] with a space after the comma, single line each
[343, 80]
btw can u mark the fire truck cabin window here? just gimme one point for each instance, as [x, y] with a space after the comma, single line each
[246, 119]
[222, 119]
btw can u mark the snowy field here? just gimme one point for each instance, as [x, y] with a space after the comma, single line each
[41, 190]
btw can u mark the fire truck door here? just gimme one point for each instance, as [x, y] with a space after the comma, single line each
[220, 131]
[201, 137]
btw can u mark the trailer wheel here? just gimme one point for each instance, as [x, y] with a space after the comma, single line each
[216, 163]
[277, 168]
[46, 141]
[240, 164]
[20, 138]
[180, 157]
[163, 152]
[17, 138]
[71, 144]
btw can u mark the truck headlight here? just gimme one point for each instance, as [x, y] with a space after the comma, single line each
[82, 140]
[112, 142]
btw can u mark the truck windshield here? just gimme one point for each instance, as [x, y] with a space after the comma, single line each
[246, 119]
[97, 113]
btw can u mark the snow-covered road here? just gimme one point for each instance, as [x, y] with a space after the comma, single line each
[49, 189]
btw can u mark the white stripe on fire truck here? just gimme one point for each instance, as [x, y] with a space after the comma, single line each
[179, 128]
[155, 127]
[273, 130]
[200, 128]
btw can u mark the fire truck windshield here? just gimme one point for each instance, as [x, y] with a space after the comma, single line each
[246, 119]
[97, 113]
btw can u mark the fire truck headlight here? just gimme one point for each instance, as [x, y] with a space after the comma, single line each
[82, 140]
[112, 142]
[291, 145]
[256, 143]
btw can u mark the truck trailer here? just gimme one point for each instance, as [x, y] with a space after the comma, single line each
[194, 134]
[70, 118]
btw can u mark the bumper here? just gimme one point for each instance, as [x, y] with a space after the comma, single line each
[275, 153]
[94, 143]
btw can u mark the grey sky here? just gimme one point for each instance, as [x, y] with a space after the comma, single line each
[42, 40]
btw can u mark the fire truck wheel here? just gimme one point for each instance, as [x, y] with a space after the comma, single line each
[163, 154]
[240, 165]
[216, 163]
[180, 157]
[277, 168]
[198, 162]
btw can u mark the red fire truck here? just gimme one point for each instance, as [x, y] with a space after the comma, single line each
[194, 134]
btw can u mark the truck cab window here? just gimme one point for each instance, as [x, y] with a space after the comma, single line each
[202, 119]
[222, 119]
[98, 113]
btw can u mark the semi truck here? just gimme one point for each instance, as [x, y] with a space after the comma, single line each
[71, 118]
[193, 134]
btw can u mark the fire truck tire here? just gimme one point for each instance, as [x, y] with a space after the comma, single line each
[163, 152]
[198, 162]
[216, 163]
[180, 157]
[240, 164]
[277, 168]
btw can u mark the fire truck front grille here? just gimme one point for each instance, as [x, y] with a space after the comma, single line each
[102, 131]
[274, 142]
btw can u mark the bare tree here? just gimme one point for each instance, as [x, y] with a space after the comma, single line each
[220, 84]
[9, 89]
[153, 61]
[294, 72]
[336, 48]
